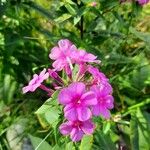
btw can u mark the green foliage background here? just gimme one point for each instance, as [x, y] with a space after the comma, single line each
[119, 34]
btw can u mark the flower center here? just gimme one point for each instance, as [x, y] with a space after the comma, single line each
[78, 101]
[102, 101]
[77, 124]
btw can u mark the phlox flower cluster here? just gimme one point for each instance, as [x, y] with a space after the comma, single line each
[140, 2]
[83, 93]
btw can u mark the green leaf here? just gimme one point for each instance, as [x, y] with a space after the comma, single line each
[80, 12]
[9, 88]
[44, 108]
[143, 36]
[40, 9]
[86, 143]
[140, 131]
[49, 112]
[70, 2]
[71, 9]
[52, 115]
[57, 147]
[39, 143]
[109, 4]
[70, 146]
[104, 142]
[63, 18]
[139, 77]
[106, 127]
[76, 20]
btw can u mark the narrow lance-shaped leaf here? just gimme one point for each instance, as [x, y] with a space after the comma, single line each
[140, 131]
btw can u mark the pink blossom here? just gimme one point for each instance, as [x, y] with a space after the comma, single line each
[142, 2]
[93, 4]
[81, 57]
[105, 101]
[36, 81]
[62, 54]
[99, 78]
[77, 101]
[77, 129]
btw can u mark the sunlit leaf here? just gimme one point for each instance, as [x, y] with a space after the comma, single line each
[86, 143]
[39, 143]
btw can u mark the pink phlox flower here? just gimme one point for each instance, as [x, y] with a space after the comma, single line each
[142, 2]
[97, 75]
[99, 78]
[62, 54]
[105, 101]
[81, 57]
[93, 4]
[36, 81]
[76, 129]
[77, 101]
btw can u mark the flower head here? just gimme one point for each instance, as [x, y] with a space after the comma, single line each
[142, 2]
[104, 101]
[36, 81]
[77, 129]
[93, 4]
[62, 54]
[99, 78]
[81, 57]
[82, 96]
[77, 101]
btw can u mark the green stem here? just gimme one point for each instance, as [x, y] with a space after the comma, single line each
[55, 135]
[131, 108]
[81, 28]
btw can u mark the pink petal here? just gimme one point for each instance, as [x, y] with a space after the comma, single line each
[76, 134]
[96, 90]
[34, 87]
[73, 49]
[77, 88]
[109, 102]
[58, 64]
[82, 69]
[68, 107]
[68, 70]
[88, 127]
[90, 57]
[65, 128]
[26, 89]
[89, 98]
[64, 96]
[35, 78]
[46, 76]
[42, 72]
[105, 112]
[55, 53]
[96, 110]
[84, 113]
[81, 53]
[64, 44]
[107, 89]
[42, 78]
[70, 113]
